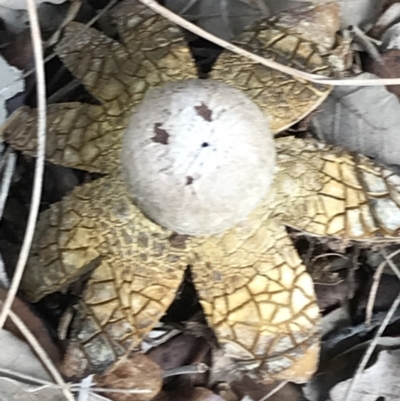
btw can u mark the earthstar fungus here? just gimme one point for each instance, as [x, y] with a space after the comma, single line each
[198, 156]
[255, 291]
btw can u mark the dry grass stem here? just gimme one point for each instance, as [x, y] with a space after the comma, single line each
[75, 387]
[375, 284]
[389, 261]
[373, 292]
[186, 370]
[274, 391]
[39, 166]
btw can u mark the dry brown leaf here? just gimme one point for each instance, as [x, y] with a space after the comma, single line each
[361, 119]
[34, 324]
[134, 372]
[178, 351]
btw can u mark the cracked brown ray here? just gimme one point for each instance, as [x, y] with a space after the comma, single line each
[89, 137]
[325, 191]
[284, 99]
[255, 291]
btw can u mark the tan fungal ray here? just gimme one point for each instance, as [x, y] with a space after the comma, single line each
[124, 299]
[326, 191]
[153, 52]
[137, 265]
[101, 63]
[284, 99]
[87, 136]
[251, 270]
[154, 42]
[258, 298]
[79, 135]
[93, 223]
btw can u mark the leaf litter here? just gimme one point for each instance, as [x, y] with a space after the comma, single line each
[351, 118]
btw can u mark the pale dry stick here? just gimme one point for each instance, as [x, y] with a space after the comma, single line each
[186, 370]
[366, 42]
[339, 255]
[371, 348]
[39, 165]
[274, 390]
[188, 6]
[44, 358]
[8, 165]
[84, 392]
[99, 390]
[258, 59]
[8, 173]
[375, 285]
[394, 268]
[85, 388]
[75, 387]
[11, 374]
[373, 291]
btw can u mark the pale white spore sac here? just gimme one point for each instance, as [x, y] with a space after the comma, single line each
[198, 156]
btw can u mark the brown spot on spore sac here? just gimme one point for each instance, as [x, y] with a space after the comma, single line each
[189, 180]
[161, 136]
[178, 240]
[203, 111]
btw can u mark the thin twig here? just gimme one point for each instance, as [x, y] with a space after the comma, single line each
[371, 348]
[186, 370]
[373, 291]
[258, 59]
[75, 387]
[375, 284]
[24, 378]
[389, 260]
[273, 391]
[39, 165]
[188, 6]
[99, 390]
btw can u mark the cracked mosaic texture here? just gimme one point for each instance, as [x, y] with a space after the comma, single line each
[255, 291]
[284, 99]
